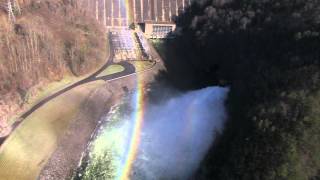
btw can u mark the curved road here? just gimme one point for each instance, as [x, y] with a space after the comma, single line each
[129, 69]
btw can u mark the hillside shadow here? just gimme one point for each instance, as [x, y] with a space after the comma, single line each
[180, 74]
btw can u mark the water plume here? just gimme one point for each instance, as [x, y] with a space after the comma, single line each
[177, 134]
[162, 141]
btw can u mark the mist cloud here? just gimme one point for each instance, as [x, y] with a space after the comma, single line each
[177, 134]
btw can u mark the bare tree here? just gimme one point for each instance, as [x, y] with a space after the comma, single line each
[11, 15]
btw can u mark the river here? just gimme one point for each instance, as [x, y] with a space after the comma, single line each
[172, 140]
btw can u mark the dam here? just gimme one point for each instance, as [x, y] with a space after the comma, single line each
[121, 13]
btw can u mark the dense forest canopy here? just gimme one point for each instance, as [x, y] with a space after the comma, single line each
[267, 52]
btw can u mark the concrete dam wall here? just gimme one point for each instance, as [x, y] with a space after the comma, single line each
[123, 12]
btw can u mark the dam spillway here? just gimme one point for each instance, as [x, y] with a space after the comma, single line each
[114, 13]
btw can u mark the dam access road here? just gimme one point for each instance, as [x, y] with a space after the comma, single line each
[129, 69]
[53, 150]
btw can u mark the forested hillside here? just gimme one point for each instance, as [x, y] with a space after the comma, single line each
[42, 42]
[267, 52]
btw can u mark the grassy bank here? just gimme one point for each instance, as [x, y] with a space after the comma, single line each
[29, 147]
[112, 69]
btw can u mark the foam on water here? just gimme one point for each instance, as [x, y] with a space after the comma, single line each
[173, 139]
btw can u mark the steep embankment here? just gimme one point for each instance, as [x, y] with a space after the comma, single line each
[268, 53]
[48, 40]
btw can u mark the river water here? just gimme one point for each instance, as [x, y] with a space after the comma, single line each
[173, 140]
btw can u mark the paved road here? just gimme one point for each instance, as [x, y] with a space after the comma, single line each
[129, 69]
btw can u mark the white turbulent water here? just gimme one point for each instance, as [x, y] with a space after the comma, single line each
[175, 136]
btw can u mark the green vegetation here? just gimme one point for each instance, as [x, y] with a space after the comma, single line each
[112, 69]
[101, 167]
[41, 91]
[158, 44]
[107, 148]
[49, 89]
[29, 147]
[267, 52]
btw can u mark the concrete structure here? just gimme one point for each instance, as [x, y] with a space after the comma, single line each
[160, 30]
[124, 45]
[121, 13]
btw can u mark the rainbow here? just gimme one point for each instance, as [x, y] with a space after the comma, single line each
[128, 8]
[138, 117]
[128, 11]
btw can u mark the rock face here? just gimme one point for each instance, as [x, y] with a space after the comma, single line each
[47, 40]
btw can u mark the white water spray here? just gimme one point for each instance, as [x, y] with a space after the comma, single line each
[178, 133]
[175, 137]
